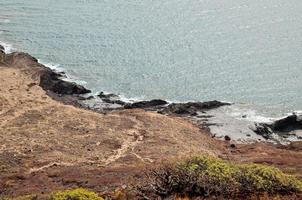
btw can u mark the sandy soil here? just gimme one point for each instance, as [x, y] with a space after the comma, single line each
[46, 145]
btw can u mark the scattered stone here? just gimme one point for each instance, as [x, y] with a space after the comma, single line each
[233, 146]
[248, 135]
[244, 116]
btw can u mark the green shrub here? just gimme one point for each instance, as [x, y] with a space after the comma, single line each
[262, 178]
[207, 176]
[77, 194]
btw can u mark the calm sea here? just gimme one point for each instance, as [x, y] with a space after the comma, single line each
[243, 51]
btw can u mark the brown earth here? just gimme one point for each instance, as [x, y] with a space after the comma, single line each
[46, 145]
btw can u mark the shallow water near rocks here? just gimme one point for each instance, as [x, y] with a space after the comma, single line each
[232, 50]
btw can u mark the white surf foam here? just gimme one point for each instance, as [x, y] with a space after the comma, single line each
[57, 67]
[4, 21]
[8, 48]
[52, 66]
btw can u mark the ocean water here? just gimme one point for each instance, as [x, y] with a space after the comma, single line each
[243, 51]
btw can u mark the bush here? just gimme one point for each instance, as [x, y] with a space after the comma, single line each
[77, 194]
[205, 176]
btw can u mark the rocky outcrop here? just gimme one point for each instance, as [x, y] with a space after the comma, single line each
[284, 125]
[52, 81]
[146, 104]
[111, 98]
[288, 124]
[48, 79]
[264, 130]
[192, 108]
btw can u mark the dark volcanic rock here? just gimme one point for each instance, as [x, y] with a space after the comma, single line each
[111, 98]
[285, 125]
[290, 123]
[120, 102]
[227, 138]
[50, 80]
[2, 48]
[192, 107]
[107, 96]
[2, 54]
[264, 130]
[146, 104]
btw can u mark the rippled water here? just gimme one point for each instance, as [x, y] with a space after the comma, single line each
[235, 50]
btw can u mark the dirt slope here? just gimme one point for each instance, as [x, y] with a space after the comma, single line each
[38, 134]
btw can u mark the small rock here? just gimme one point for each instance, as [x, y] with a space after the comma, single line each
[233, 146]
[227, 138]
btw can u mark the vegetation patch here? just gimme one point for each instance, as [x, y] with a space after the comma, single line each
[77, 194]
[205, 176]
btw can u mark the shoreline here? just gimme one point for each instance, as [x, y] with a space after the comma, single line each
[60, 145]
[62, 89]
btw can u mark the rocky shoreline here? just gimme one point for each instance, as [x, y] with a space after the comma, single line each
[70, 93]
[54, 138]
[73, 94]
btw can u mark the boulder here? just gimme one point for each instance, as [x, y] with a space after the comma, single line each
[284, 125]
[288, 124]
[146, 104]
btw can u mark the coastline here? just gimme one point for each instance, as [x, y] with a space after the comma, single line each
[50, 139]
[207, 115]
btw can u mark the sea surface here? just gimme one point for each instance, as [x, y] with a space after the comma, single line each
[243, 51]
